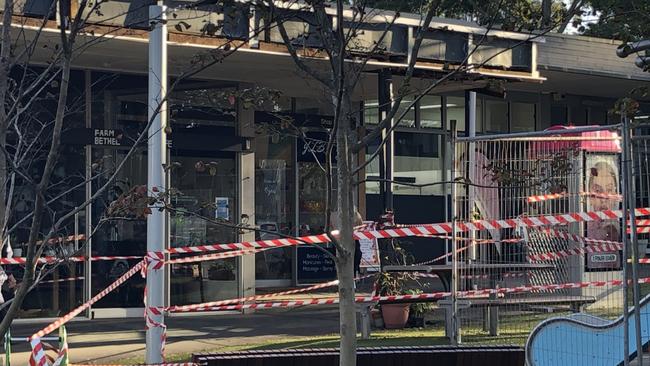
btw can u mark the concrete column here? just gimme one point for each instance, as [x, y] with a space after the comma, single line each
[385, 99]
[156, 158]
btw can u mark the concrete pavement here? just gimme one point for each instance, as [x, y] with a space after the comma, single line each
[103, 340]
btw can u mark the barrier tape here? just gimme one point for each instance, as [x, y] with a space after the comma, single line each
[415, 297]
[577, 238]
[554, 196]
[64, 319]
[268, 296]
[37, 358]
[483, 276]
[51, 259]
[418, 230]
[70, 279]
[209, 257]
[574, 251]
[149, 364]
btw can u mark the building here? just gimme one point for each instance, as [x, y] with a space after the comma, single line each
[223, 152]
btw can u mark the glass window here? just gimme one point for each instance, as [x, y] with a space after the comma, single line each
[456, 111]
[558, 114]
[207, 188]
[274, 197]
[523, 117]
[409, 117]
[418, 160]
[496, 116]
[430, 111]
[371, 112]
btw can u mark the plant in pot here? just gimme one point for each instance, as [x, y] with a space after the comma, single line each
[395, 316]
[418, 310]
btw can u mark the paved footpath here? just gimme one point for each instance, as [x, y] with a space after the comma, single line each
[102, 340]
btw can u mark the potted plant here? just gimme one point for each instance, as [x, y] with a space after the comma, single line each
[418, 310]
[395, 316]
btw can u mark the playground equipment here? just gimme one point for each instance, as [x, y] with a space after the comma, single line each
[61, 351]
[582, 339]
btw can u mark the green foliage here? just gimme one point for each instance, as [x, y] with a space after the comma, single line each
[625, 20]
[516, 15]
[418, 309]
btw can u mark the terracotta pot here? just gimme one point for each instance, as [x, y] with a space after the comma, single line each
[395, 315]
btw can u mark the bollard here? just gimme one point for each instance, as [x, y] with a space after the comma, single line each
[8, 347]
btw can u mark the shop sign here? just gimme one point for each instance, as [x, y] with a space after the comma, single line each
[314, 265]
[93, 136]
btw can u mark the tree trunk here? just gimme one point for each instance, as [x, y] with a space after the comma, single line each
[5, 68]
[345, 257]
[39, 204]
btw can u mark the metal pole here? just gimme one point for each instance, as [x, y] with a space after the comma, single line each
[63, 341]
[626, 244]
[8, 347]
[627, 159]
[472, 171]
[455, 329]
[89, 191]
[156, 159]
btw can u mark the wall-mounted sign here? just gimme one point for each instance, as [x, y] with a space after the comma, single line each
[94, 136]
[314, 265]
[602, 177]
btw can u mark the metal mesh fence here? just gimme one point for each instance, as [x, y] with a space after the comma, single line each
[532, 263]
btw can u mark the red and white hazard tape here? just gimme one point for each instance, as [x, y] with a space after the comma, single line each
[265, 296]
[149, 364]
[66, 318]
[37, 357]
[49, 260]
[577, 238]
[210, 257]
[419, 230]
[533, 221]
[574, 251]
[427, 296]
[555, 196]
[71, 279]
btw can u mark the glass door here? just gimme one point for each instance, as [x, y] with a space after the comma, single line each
[120, 227]
[203, 206]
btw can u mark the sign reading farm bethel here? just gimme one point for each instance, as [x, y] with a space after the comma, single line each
[94, 136]
[105, 137]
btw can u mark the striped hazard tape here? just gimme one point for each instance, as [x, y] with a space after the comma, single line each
[399, 298]
[420, 230]
[66, 318]
[577, 238]
[149, 364]
[555, 196]
[574, 251]
[50, 260]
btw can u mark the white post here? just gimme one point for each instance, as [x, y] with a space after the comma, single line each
[156, 159]
[472, 168]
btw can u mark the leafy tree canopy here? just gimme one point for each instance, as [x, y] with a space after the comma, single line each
[626, 20]
[517, 15]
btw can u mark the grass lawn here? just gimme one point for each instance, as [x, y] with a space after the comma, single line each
[511, 333]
